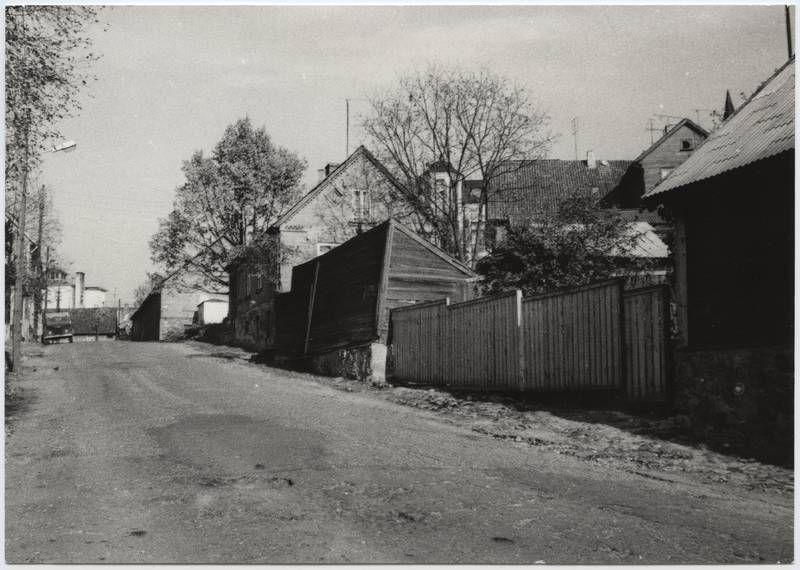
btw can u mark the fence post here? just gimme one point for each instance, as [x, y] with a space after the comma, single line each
[520, 341]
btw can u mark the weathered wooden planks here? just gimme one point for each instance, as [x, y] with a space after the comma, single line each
[589, 338]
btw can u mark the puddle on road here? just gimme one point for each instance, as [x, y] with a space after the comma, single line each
[234, 444]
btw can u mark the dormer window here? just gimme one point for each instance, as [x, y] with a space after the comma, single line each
[687, 144]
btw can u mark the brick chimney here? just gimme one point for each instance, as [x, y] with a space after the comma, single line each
[327, 170]
[591, 160]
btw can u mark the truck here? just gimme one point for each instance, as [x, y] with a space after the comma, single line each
[57, 327]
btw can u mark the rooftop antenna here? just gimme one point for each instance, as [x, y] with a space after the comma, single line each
[575, 134]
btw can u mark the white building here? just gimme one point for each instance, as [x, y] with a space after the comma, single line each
[212, 311]
[94, 297]
[64, 292]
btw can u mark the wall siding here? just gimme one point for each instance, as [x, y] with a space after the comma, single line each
[668, 155]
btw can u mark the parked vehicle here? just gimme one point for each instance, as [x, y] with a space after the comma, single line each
[57, 326]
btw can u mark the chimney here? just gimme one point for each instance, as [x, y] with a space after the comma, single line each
[79, 282]
[591, 160]
[327, 170]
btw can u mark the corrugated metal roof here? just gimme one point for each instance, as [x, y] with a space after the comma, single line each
[762, 127]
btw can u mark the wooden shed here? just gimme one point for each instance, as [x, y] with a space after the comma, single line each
[343, 298]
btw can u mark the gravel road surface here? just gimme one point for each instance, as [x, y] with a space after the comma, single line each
[144, 453]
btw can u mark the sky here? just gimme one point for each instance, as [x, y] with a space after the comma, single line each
[171, 78]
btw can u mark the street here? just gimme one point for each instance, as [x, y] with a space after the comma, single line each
[158, 453]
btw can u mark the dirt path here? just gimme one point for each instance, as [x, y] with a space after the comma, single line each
[136, 452]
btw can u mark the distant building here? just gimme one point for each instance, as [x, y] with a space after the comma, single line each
[94, 297]
[64, 292]
[167, 312]
[526, 189]
[212, 311]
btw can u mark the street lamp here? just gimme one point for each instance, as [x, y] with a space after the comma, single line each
[16, 317]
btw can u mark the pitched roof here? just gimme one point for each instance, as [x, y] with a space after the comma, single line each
[327, 181]
[679, 125]
[384, 228]
[762, 127]
[528, 188]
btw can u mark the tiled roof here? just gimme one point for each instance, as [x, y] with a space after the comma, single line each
[762, 127]
[528, 188]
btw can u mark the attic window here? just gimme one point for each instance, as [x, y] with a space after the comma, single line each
[687, 144]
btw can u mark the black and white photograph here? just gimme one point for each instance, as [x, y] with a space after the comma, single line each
[401, 284]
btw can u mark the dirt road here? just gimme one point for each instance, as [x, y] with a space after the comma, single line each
[138, 452]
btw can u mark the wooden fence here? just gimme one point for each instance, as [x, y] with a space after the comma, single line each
[589, 338]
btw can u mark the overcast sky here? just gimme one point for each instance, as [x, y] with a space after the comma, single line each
[171, 79]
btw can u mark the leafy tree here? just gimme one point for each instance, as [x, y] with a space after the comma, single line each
[227, 200]
[153, 282]
[47, 63]
[470, 124]
[578, 244]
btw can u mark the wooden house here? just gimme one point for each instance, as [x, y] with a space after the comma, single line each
[733, 204]
[341, 299]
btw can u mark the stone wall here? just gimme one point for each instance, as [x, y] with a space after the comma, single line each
[744, 395]
[366, 363]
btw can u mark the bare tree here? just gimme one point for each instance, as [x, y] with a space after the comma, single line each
[442, 127]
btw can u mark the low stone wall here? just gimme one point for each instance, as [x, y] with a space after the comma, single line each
[366, 363]
[745, 395]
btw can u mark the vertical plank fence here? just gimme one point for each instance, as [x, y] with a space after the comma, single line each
[646, 314]
[589, 338]
[572, 339]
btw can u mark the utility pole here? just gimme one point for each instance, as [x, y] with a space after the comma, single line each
[347, 123]
[575, 135]
[788, 31]
[40, 281]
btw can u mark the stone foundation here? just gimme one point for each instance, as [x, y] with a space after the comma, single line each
[366, 363]
[745, 395]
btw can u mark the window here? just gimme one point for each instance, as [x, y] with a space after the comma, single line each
[361, 205]
[324, 247]
[687, 144]
[665, 172]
